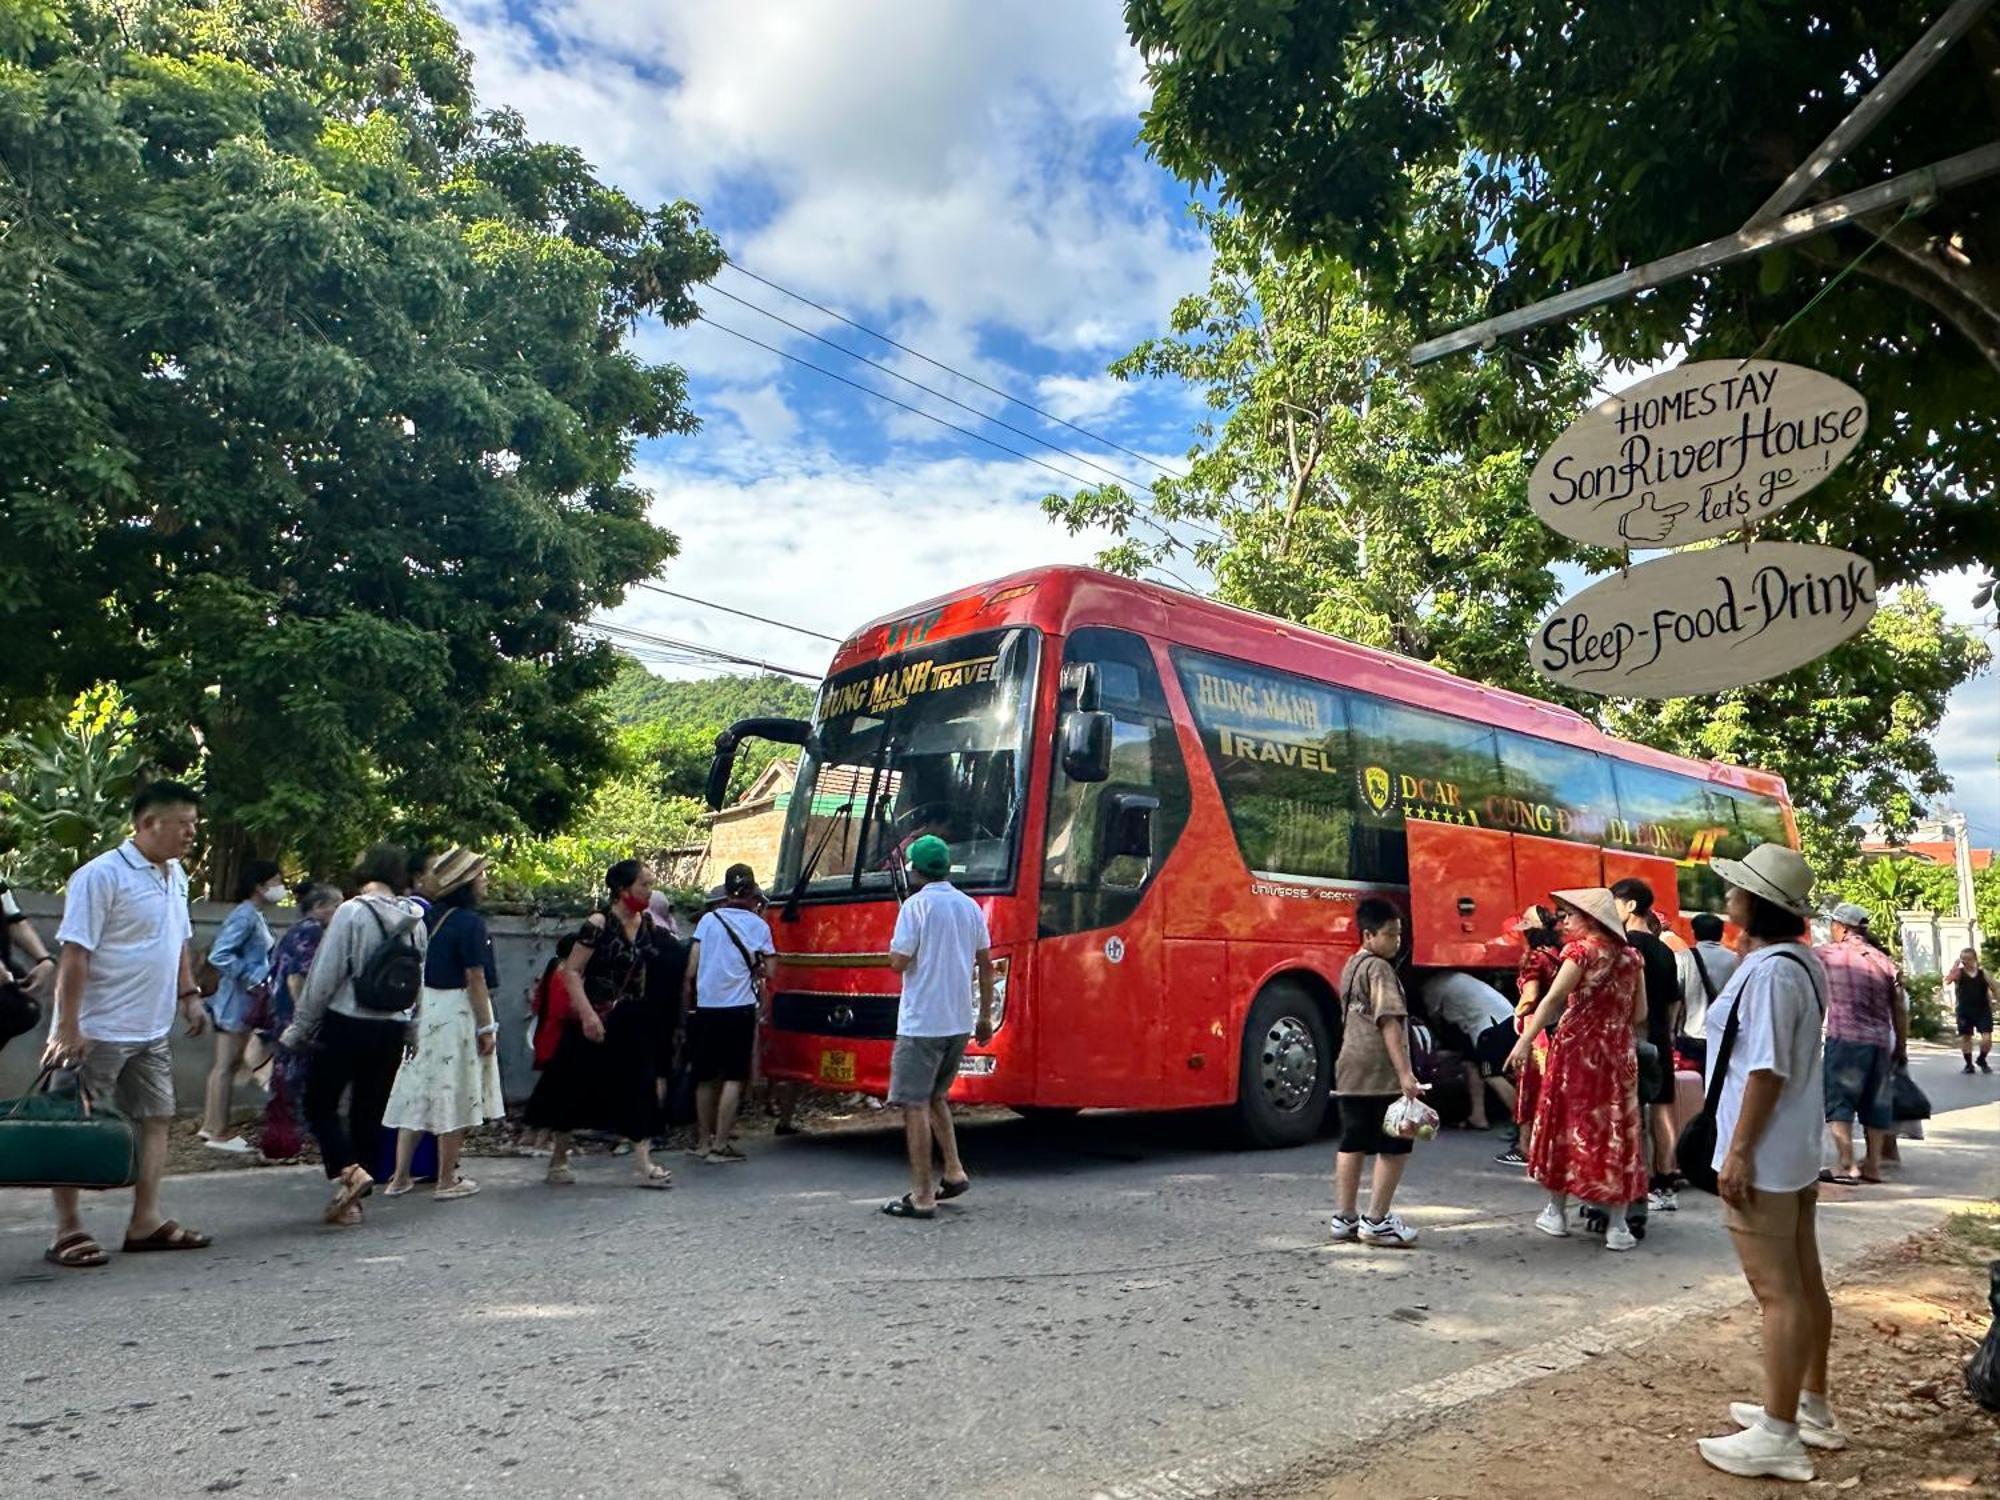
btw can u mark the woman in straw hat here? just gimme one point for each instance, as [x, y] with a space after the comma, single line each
[1770, 1111]
[1588, 1140]
[452, 1081]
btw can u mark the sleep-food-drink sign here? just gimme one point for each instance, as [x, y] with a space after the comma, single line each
[1699, 622]
[1695, 455]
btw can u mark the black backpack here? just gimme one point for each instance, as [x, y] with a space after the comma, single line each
[393, 976]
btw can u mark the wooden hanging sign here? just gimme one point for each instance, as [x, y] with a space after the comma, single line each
[1696, 453]
[1703, 621]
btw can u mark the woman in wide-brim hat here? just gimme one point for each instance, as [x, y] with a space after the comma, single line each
[1588, 1137]
[452, 1082]
[1769, 1117]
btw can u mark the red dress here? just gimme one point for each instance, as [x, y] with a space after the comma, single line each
[1538, 966]
[1589, 1136]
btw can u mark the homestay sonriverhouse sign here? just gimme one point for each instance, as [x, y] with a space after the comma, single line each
[1695, 453]
[1702, 621]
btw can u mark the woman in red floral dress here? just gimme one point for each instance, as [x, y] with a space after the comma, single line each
[1589, 1135]
[1532, 978]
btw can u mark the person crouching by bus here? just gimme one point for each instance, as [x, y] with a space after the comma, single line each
[940, 940]
[1477, 1023]
[1372, 1069]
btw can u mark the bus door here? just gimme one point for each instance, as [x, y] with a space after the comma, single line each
[1100, 962]
[1461, 897]
[1544, 866]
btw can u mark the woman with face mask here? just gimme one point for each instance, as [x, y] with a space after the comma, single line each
[241, 958]
[604, 1074]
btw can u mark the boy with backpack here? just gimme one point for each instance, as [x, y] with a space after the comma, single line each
[355, 1014]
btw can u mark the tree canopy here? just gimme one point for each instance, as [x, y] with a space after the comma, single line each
[1345, 495]
[317, 411]
[1455, 150]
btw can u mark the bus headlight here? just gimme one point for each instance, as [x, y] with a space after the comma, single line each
[999, 992]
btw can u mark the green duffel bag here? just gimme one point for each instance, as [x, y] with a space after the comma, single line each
[53, 1137]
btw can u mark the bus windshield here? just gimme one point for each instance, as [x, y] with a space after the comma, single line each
[930, 741]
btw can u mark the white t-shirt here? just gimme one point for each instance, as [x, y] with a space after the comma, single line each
[943, 930]
[723, 979]
[1782, 1013]
[1720, 964]
[1470, 1004]
[132, 916]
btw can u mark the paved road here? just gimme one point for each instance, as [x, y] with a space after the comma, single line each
[1115, 1309]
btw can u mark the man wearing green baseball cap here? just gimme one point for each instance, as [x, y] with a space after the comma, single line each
[940, 940]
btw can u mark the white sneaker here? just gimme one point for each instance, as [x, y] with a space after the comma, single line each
[1618, 1237]
[235, 1145]
[1553, 1222]
[1343, 1229]
[1387, 1230]
[1663, 1201]
[1813, 1434]
[1757, 1453]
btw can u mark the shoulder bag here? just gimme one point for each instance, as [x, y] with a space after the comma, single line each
[1694, 1147]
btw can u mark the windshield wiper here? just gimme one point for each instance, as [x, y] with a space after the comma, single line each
[842, 815]
[875, 801]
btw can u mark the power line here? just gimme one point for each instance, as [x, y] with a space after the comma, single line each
[744, 613]
[977, 437]
[693, 648]
[1048, 416]
[894, 374]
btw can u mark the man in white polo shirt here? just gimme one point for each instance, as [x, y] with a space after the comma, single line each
[940, 939]
[124, 971]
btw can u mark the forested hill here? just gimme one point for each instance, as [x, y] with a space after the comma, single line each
[638, 697]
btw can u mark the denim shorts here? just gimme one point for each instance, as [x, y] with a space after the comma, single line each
[1860, 1084]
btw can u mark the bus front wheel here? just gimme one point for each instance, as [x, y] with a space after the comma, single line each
[1286, 1073]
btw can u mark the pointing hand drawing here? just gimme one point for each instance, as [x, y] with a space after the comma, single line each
[1649, 523]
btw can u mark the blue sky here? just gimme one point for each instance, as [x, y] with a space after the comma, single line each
[961, 176]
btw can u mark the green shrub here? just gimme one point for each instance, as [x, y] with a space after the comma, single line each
[1928, 1020]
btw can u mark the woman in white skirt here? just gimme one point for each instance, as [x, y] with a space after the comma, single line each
[451, 1081]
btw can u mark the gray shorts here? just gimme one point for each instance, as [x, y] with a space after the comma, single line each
[134, 1078]
[923, 1067]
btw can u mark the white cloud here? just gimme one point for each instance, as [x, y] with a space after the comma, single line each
[907, 157]
[1082, 399]
[760, 411]
[830, 546]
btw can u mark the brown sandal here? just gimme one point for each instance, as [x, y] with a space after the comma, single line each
[76, 1251]
[169, 1236]
[355, 1185]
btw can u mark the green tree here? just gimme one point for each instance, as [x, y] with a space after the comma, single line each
[66, 790]
[317, 412]
[1343, 497]
[1459, 151]
[1853, 731]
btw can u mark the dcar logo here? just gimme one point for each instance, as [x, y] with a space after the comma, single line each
[1375, 782]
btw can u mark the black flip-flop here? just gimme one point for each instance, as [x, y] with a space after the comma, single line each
[1840, 1179]
[904, 1208]
[954, 1189]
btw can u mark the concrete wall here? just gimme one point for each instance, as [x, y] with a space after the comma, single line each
[521, 946]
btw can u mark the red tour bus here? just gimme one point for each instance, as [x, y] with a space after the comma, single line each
[1168, 809]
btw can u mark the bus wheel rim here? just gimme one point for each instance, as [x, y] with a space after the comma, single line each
[1289, 1064]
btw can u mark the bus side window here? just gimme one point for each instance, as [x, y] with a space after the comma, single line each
[1107, 840]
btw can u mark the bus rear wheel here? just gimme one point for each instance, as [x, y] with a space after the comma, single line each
[1285, 1076]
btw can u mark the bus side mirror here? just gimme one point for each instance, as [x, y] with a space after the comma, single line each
[1128, 831]
[1086, 746]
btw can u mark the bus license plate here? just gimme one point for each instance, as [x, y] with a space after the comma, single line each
[836, 1067]
[977, 1067]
